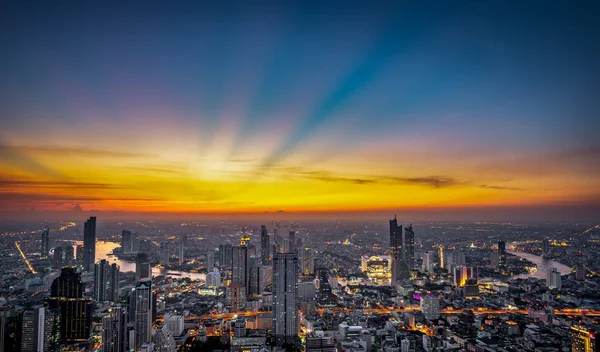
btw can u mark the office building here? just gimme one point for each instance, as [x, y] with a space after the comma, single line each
[213, 278]
[290, 245]
[163, 340]
[79, 254]
[143, 313]
[545, 248]
[180, 253]
[210, 260]
[430, 307]
[143, 270]
[128, 242]
[175, 322]
[165, 254]
[32, 330]
[10, 330]
[553, 279]
[255, 276]
[399, 268]
[114, 330]
[501, 254]
[408, 245]
[45, 243]
[428, 262]
[225, 254]
[584, 339]
[69, 259]
[285, 310]
[320, 343]
[239, 267]
[89, 244]
[106, 281]
[307, 261]
[265, 246]
[66, 294]
[236, 297]
[58, 257]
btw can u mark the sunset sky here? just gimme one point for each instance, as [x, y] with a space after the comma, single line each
[301, 108]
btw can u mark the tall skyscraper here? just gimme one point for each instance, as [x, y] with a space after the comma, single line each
[399, 267]
[165, 254]
[408, 245]
[106, 281]
[553, 279]
[128, 240]
[32, 330]
[58, 257]
[89, 244]
[545, 248]
[265, 247]
[45, 243]
[66, 294]
[236, 297]
[225, 254]
[255, 276]
[307, 261]
[52, 320]
[460, 275]
[79, 254]
[69, 256]
[285, 287]
[143, 270]
[10, 330]
[143, 313]
[210, 260]
[180, 253]
[501, 254]
[291, 242]
[584, 339]
[428, 262]
[114, 330]
[430, 307]
[239, 273]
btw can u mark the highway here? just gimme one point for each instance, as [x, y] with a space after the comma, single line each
[18, 245]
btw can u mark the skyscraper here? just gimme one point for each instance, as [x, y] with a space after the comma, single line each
[66, 294]
[106, 281]
[291, 242]
[10, 330]
[45, 243]
[428, 262]
[32, 330]
[307, 261]
[128, 241]
[225, 254]
[143, 313]
[69, 256]
[114, 330]
[143, 269]
[164, 341]
[501, 254]
[265, 247]
[239, 273]
[89, 244]
[58, 257]
[210, 260]
[408, 245]
[545, 248]
[236, 297]
[165, 254]
[399, 267]
[285, 287]
[553, 279]
[255, 276]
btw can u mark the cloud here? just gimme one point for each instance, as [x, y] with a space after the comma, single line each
[432, 181]
[22, 197]
[15, 157]
[501, 188]
[78, 151]
[12, 183]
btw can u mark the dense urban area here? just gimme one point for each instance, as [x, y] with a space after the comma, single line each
[354, 286]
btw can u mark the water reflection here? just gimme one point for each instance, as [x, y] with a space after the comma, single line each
[543, 266]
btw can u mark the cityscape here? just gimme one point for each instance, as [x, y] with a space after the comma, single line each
[299, 176]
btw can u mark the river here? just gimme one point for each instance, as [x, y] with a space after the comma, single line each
[543, 266]
[103, 249]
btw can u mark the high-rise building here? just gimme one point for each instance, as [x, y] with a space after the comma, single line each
[210, 260]
[143, 313]
[553, 279]
[163, 340]
[10, 330]
[428, 262]
[213, 278]
[180, 253]
[89, 244]
[584, 339]
[128, 240]
[430, 307]
[79, 254]
[545, 248]
[265, 247]
[315, 343]
[52, 320]
[236, 297]
[460, 275]
[291, 242]
[32, 330]
[399, 267]
[69, 256]
[66, 294]
[225, 254]
[285, 286]
[45, 243]
[255, 276]
[502, 254]
[165, 254]
[106, 281]
[408, 245]
[114, 330]
[175, 322]
[143, 270]
[58, 257]
[239, 268]
[307, 261]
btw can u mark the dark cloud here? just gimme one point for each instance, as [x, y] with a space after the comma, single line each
[500, 188]
[11, 183]
[22, 197]
[431, 181]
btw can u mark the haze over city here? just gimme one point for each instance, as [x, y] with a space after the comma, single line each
[457, 110]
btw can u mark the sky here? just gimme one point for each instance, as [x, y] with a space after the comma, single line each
[299, 107]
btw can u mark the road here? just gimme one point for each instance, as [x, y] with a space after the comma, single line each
[18, 245]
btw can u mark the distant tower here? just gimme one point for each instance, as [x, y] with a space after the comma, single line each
[225, 254]
[58, 257]
[291, 243]
[143, 313]
[285, 287]
[69, 256]
[501, 254]
[114, 330]
[143, 270]
[89, 244]
[265, 247]
[66, 294]
[307, 261]
[409, 246]
[399, 267]
[127, 242]
[545, 248]
[428, 262]
[45, 243]
[210, 260]
[239, 273]
[106, 281]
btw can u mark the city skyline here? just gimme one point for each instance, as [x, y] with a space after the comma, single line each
[470, 110]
